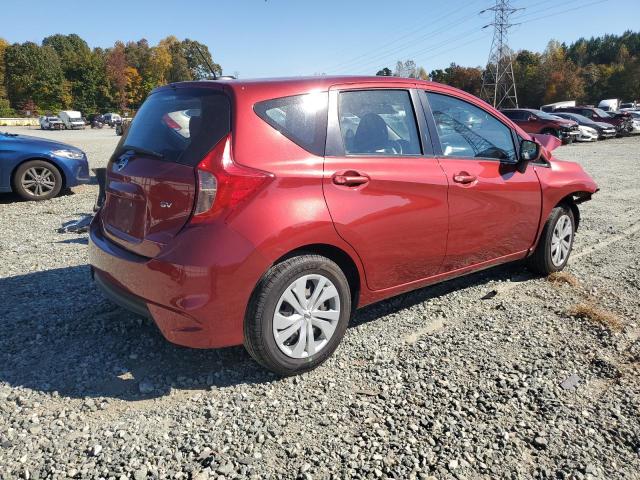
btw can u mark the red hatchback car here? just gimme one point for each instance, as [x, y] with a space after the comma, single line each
[264, 212]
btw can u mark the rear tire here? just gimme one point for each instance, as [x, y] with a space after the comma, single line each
[298, 314]
[37, 180]
[556, 241]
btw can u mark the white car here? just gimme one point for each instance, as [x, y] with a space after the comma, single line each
[50, 122]
[587, 134]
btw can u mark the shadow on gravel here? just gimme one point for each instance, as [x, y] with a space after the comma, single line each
[6, 198]
[513, 272]
[10, 197]
[59, 334]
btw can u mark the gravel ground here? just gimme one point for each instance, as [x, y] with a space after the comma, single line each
[538, 381]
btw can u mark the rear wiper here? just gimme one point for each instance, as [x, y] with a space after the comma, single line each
[142, 151]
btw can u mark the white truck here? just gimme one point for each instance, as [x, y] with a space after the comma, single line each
[552, 106]
[72, 120]
[610, 105]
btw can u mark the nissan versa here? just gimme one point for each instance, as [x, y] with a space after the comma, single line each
[264, 212]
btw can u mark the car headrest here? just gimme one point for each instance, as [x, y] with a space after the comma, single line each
[371, 134]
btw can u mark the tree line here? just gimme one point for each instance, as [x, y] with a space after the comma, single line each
[64, 73]
[587, 70]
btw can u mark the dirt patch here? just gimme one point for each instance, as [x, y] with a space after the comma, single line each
[560, 278]
[588, 310]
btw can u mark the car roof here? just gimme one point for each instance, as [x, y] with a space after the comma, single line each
[296, 85]
[519, 110]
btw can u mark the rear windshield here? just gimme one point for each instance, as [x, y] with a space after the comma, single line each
[180, 125]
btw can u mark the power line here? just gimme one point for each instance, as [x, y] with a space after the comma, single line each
[375, 55]
[555, 13]
[498, 81]
[447, 41]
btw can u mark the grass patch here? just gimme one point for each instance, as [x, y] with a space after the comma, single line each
[563, 277]
[589, 311]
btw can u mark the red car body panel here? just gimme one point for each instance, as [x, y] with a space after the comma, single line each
[494, 216]
[412, 191]
[411, 225]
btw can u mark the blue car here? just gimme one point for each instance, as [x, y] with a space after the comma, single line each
[39, 169]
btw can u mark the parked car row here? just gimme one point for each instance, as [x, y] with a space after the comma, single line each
[575, 123]
[624, 119]
[66, 119]
[73, 120]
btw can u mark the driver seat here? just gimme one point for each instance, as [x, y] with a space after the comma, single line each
[372, 134]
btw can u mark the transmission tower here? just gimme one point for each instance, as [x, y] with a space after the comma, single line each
[498, 82]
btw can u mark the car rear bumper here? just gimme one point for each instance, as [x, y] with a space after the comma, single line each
[196, 297]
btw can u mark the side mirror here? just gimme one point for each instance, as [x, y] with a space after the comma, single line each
[531, 118]
[529, 151]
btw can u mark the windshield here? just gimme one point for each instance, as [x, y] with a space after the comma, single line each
[544, 115]
[179, 125]
[575, 116]
[601, 113]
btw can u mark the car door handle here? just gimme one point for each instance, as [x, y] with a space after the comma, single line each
[464, 177]
[350, 179]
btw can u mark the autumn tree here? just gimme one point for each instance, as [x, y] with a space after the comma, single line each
[116, 64]
[562, 77]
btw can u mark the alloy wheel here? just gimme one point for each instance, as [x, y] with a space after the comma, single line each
[38, 181]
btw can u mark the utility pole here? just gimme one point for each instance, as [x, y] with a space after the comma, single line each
[498, 82]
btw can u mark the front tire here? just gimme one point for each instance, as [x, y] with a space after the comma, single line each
[298, 314]
[37, 180]
[556, 241]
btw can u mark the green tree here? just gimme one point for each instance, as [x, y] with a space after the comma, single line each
[81, 71]
[5, 107]
[199, 59]
[530, 83]
[468, 79]
[34, 73]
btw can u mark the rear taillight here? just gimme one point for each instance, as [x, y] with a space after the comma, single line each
[171, 123]
[223, 184]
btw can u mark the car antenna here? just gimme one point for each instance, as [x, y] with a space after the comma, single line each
[206, 61]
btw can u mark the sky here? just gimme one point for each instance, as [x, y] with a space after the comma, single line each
[266, 38]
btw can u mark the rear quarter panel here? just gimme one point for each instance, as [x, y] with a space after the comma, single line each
[290, 212]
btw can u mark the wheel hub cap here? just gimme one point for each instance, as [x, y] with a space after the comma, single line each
[561, 239]
[306, 316]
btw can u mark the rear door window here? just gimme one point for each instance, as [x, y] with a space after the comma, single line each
[180, 125]
[378, 122]
[300, 118]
